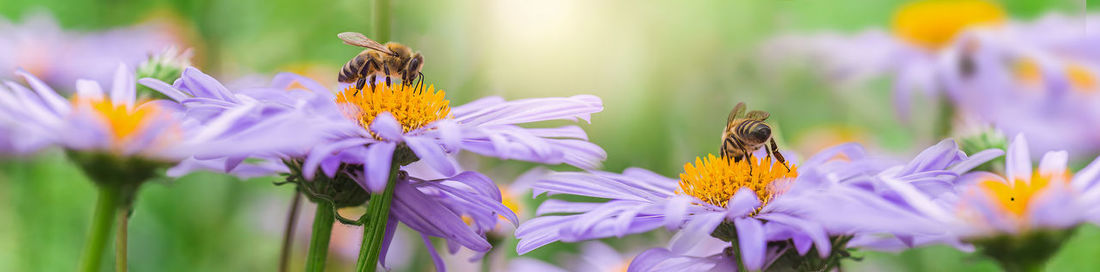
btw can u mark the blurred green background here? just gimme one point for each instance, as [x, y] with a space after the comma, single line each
[668, 72]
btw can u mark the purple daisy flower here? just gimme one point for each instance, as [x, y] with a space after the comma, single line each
[1040, 80]
[732, 202]
[60, 57]
[363, 133]
[97, 120]
[1019, 218]
[982, 204]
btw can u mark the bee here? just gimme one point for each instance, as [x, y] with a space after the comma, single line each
[380, 60]
[746, 133]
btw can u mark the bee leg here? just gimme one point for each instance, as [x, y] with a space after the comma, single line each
[387, 70]
[778, 156]
[748, 158]
[359, 85]
[373, 79]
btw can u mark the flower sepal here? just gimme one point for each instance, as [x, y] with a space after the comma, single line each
[341, 190]
[113, 170]
[1027, 251]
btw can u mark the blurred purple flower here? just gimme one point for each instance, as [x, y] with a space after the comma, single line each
[60, 57]
[933, 56]
[1042, 80]
[983, 204]
[105, 121]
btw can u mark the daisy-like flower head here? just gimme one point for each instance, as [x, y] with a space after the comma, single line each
[930, 43]
[112, 134]
[1026, 199]
[716, 198]
[1038, 79]
[1008, 216]
[360, 134]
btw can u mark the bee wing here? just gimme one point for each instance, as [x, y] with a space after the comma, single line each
[735, 113]
[357, 39]
[758, 115]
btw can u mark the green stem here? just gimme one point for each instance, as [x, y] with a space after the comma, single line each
[374, 230]
[288, 231]
[105, 209]
[120, 238]
[382, 20]
[322, 233]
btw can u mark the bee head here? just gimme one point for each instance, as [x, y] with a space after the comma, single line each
[759, 133]
[413, 67]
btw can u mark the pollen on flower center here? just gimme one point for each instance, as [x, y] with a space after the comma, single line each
[1015, 198]
[932, 24]
[715, 180]
[411, 107]
[123, 122]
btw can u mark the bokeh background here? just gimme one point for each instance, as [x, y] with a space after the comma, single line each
[668, 72]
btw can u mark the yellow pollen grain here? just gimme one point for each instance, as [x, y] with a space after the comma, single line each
[716, 179]
[123, 122]
[413, 109]
[932, 24]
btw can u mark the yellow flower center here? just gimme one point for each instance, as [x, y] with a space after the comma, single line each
[714, 180]
[123, 122]
[932, 24]
[510, 201]
[1081, 79]
[1016, 198]
[412, 108]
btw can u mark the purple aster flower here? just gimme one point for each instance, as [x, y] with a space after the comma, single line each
[1037, 79]
[60, 57]
[749, 208]
[119, 141]
[913, 52]
[361, 134]
[1010, 216]
[102, 120]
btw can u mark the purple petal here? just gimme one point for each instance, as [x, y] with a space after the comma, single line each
[320, 153]
[123, 90]
[750, 238]
[1018, 161]
[742, 203]
[54, 101]
[386, 127]
[439, 266]
[431, 153]
[377, 165]
[391, 227]
[164, 88]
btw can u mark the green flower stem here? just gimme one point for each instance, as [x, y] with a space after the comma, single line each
[322, 233]
[374, 230]
[120, 238]
[106, 208]
[288, 231]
